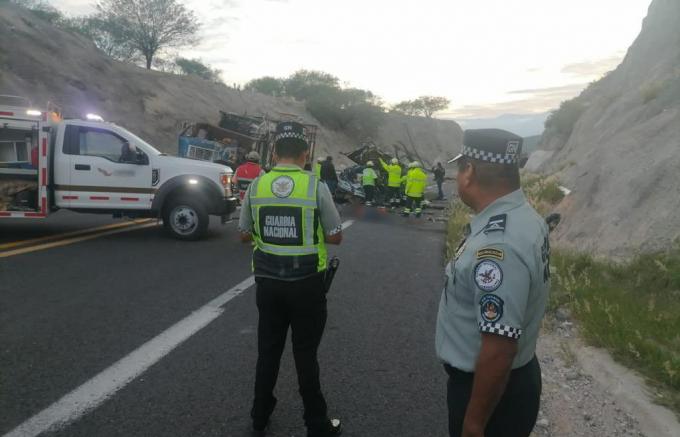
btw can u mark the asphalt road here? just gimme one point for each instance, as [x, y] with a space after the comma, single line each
[70, 312]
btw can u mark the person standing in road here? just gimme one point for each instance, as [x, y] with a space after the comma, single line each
[247, 172]
[439, 174]
[317, 166]
[393, 180]
[328, 174]
[368, 177]
[291, 217]
[495, 295]
[416, 181]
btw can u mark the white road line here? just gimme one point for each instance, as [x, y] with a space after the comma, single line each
[104, 385]
[98, 389]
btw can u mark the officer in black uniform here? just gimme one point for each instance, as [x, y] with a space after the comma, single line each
[291, 217]
[495, 295]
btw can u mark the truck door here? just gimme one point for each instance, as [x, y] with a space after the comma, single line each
[107, 171]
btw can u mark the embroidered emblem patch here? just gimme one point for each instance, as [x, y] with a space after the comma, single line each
[490, 252]
[512, 149]
[488, 275]
[496, 223]
[491, 308]
[283, 186]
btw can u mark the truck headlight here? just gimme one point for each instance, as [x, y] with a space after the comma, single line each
[225, 180]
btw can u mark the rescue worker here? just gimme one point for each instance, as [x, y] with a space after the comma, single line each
[368, 177]
[291, 217]
[416, 181]
[247, 172]
[393, 180]
[495, 295]
[317, 167]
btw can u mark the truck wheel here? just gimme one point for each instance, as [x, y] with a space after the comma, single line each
[186, 219]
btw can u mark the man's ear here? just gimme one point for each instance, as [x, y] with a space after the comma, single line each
[469, 174]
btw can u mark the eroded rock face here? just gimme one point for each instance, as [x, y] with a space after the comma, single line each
[622, 159]
[42, 62]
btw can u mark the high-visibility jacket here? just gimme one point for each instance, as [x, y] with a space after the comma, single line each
[393, 173]
[289, 239]
[368, 176]
[416, 181]
[245, 174]
[317, 169]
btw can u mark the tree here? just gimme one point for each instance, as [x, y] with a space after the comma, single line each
[42, 9]
[197, 68]
[409, 107]
[151, 25]
[432, 104]
[424, 105]
[106, 34]
[269, 85]
[305, 83]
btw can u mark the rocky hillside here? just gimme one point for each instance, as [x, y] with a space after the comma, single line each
[44, 63]
[617, 146]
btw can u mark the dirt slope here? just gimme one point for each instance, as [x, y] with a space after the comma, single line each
[622, 158]
[43, 63]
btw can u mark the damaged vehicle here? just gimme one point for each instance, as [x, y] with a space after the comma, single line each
[229, 142]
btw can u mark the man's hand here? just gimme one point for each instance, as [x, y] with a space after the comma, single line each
[491, 376]
[246, 237]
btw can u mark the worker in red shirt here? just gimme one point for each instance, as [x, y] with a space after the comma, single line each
[247, 172]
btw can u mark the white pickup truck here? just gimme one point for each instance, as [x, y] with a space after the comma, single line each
[48, 163]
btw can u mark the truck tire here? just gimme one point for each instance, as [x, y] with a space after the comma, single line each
[185, 219]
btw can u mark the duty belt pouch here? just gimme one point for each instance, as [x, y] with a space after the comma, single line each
[329, 274]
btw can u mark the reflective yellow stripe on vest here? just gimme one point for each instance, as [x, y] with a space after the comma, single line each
[283, 197]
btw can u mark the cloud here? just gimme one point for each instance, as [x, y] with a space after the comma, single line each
[552, 91]
[537, 100]
[594, 68]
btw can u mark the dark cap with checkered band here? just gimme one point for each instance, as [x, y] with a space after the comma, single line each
[495, 146]
[290, 129]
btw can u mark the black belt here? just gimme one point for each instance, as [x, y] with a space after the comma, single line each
[455, 372]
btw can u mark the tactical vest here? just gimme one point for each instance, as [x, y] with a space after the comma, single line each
[289, 239]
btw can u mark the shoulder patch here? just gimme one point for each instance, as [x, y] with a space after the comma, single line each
[490, 252]
[496, 223]
[488, 275]
[491, 308]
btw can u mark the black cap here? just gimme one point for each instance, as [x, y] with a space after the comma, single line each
[290, 129]
[496, 146]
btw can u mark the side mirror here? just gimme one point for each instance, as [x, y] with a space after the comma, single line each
[141, 158]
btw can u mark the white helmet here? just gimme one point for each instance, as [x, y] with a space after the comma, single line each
[394, 161]
[415, 164]
[369, 164]
[253, 156]
[319, 159]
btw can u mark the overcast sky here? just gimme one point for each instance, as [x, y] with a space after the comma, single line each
[488, 56]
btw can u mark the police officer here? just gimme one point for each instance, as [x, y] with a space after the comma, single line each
[495, 295]
[291, 217]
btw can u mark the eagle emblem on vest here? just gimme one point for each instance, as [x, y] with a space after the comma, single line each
[283, 186]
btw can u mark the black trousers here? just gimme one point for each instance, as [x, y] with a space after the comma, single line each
[516, 412]
[369, 191]
[302, 306]
[393, 195]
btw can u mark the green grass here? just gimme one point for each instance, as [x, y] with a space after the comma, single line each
[632, 309]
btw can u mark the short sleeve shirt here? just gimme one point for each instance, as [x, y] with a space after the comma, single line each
[328, 213]
[497, 283]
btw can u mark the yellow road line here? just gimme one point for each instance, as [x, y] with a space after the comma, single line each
[66, 242]
[71, 234]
